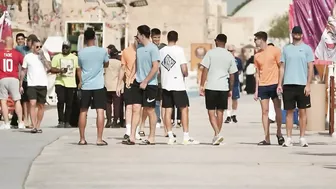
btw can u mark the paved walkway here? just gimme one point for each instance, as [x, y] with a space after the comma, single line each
[240, 163]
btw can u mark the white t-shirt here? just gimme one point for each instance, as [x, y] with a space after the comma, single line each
[221, 63]
[172, 57]
[36, 73]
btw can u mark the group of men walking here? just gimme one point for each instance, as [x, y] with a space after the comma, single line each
[151, 82]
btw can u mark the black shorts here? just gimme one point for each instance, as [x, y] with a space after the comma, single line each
[293, 96]
[216, 100]
[267, 92]
[174, 98]
[159, 93]
[24, 96]
[128, 96]
[147, 97]
[38, 93]
[96, 99]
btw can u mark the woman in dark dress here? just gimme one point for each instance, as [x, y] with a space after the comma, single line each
[250, 79]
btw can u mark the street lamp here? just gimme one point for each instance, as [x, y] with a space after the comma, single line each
[123, 3]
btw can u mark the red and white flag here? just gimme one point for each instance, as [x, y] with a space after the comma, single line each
[5, 26]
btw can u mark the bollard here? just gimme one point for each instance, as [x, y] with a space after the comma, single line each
[332, 104]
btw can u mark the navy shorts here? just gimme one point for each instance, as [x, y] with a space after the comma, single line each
[267, 92]
[236, 93]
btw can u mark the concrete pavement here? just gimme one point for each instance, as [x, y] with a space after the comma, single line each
[19, 148]
[239, 163]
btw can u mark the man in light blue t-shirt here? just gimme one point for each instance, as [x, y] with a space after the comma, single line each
[296, 73]
[92, 60]
[145, 86]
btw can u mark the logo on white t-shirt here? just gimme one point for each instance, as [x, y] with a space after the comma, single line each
[168, 62]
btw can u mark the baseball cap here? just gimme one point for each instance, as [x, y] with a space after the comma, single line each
[221, 38]
[66, 43]
[297, 29]
[32, 37]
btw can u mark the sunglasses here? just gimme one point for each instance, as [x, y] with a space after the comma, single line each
[65, 47]
[38, 47]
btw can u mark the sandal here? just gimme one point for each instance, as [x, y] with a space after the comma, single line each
[264, 143]
[126, 136]
[104, 143]
[281, 140]
[34, 130]
[128, 142]
[142, 133]
[39, 131]
[82, 143]
[146, 142]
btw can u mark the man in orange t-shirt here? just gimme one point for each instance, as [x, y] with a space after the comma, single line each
[127, 73]
[267, 63]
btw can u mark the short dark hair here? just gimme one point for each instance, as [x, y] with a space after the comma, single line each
[261, 35]
[221, 38]
[89, 34]
[155, 31]
[144, 30]
[32, 37]
[36, 41]
[270, 44]
[20, 35]
[172, 36]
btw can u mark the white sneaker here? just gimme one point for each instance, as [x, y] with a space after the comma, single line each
[171, 141]
[21, 125]
[288, 143]
[158, 125]
[303, 142]
[217, 140]
[5, 126]
[190, 141]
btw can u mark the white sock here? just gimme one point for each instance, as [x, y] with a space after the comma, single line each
[128, 129]
[137, 130]
[186, 136]
[228, 113]
[170, 134]
[233, 113]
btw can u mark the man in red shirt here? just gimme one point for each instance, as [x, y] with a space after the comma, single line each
[10, 60]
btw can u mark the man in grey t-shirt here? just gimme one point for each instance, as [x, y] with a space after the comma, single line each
[219, 65]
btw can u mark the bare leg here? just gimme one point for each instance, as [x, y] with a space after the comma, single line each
[152, 123]
[18, 110]
[143, 119]
[213, 120]
[100, 125]
[234, 107]
[303, 122]
[33, 113]
[136, 111]
[167, 120]
[4, 109]
[40, 113]
[278, 115]
[289, 123]
[25, 113]
[265, 121]
[219, 117]
[185, 119]
[82, 124]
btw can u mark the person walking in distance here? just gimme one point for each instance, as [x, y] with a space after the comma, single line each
[233, 101]
[127, 76]
[11, 60]
[173, 72]
[218, 65]
[92, 60]
[37, 81]
[145, 85]
[296, 74]
[111, 81]
[65, 65]
[267, 62]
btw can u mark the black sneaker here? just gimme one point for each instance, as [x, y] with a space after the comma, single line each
[228, 120]
[234, 119]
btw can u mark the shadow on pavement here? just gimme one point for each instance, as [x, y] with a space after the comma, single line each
[330, 167]
[316, 154]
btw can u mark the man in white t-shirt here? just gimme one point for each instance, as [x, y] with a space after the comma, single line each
[174, 69]
[37, 80]
[219, 65]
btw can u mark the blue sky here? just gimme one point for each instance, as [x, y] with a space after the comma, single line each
[232, 4]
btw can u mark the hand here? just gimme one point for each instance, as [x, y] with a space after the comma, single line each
[118, 92]
[256, 96]
[279, 89]
[202, 91]
[64, 70]
[230, 94]
[143, 85]
[21, 90]
[79, 85]
[307, 90]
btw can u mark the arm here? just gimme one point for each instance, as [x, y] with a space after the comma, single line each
[256, 75]
[153, 71]
[310, 73]
[204, 76]
[79, 75]
[106, 60]
[121, 75]
[281, 74]
[22, 75]
[184, 66]
[232, 78]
